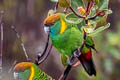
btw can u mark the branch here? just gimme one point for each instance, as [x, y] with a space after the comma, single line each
[76, 13]
[102, 13]
[1, 41]
[9, 71]
[22, 44]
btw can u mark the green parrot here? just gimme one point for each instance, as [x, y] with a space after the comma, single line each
[67, 38]
[29, 71]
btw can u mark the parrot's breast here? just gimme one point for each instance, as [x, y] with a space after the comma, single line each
[68, 41]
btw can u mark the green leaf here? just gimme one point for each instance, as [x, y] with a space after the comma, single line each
[50, 12]
[103, 4]
[54, 0]
[92, 12]
[98, 30]
[102, 20]
[99, 18]
[108, 11]
[90, 27]
[77, 3]
[106, 14]
[64, 59]
[72, 18]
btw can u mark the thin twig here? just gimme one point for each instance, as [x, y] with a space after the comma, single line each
[22, 44]
[46, 47]
[45, 56]
[9, 71]
[1, 50]
[102, 13]
[76, 13]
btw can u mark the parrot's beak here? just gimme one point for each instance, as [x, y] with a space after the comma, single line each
[46, 29]
[15, 74]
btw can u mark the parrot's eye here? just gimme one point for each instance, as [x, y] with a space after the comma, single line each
[51, 24]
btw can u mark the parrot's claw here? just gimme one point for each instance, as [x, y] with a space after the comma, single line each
[76, 53]
[68, 68]
[66, 72]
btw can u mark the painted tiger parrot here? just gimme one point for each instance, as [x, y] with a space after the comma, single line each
[63, 34]
[67, 38]
[29, 71]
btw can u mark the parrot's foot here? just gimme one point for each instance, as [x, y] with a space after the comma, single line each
[68, 68]
[76, 53]
[76, 64]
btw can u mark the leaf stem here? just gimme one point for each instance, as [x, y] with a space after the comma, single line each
[76, 13]
[102, 13]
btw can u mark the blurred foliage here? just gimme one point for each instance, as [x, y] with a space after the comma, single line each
[64, 59]
[108, 44]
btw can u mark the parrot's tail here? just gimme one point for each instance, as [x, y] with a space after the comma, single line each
[88, 66]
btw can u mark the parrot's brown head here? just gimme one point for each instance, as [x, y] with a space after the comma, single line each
[21, 67]
[56, 22]
[50, 20]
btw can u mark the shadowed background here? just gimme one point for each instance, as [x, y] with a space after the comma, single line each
[28, 16]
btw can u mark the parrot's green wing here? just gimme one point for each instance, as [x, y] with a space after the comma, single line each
[40, 75]
[69, 41]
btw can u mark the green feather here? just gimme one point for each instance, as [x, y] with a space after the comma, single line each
[24, 75]
[88, 44]
[85, 49]
[68, 41]
[89, 41]
[40, 75]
